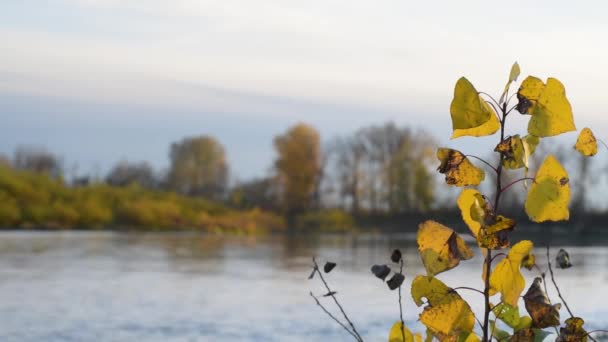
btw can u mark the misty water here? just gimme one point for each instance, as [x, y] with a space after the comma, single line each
[112, 286]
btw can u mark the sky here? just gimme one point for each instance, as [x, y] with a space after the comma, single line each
[97, 81]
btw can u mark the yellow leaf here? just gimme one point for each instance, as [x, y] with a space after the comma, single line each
[539, 307]
[586, 143]
[529, 143]
[573, 331]
[488, 128]
[397, 335]
[551, 112]
[447, 315]
[513, 75]
[458, 170]
[448, 319]
[549, 195]
[489, 230]
[495, 236]
[431, 288]
[471, 114]
[506, 277]
[469, 202]
[440, 247]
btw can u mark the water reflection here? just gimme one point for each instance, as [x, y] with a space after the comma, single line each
[57, 286]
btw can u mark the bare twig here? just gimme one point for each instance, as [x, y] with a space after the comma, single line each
[333, 317]
[543, 275]
[332, 295]
[555, 284]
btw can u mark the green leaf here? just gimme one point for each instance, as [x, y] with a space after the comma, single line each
[513, 75]
[509, 314]
[550, 109]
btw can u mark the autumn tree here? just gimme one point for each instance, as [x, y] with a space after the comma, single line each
[297, 167]
[198, 167]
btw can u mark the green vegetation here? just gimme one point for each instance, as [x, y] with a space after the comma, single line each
[37, 200]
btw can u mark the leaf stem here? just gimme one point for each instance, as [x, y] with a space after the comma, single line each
[483, 161]
[514, 182]
[511, 109]
[332, 295]
[497, 255]
[555, 284]
[467, 288]
[491, 97]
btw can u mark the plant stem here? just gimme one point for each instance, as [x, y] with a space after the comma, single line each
[555, 284]
[603, 143]
[488, 261]
[400, 303]
[332, 295]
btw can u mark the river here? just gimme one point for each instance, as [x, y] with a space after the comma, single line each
[114, 286]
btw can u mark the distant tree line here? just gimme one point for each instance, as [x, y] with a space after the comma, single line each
[377, 170]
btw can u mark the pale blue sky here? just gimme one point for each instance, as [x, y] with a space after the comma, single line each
[97, 81]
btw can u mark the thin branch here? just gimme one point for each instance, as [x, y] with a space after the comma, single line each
[332, 295]
[515, 182]
[555, 284]
[467, 288]
[483, 161]
[333, 317]
[603, 143]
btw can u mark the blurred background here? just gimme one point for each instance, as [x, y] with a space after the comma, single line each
[168, 169]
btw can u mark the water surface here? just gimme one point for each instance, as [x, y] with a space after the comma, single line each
[111, 286]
